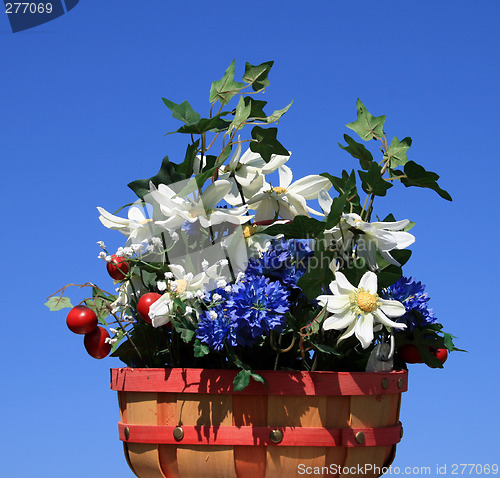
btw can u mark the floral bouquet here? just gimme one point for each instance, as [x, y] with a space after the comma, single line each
[229, 262]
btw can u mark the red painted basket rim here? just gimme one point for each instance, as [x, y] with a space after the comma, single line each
[192, 380]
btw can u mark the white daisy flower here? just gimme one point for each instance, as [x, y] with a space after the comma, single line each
[359, 309]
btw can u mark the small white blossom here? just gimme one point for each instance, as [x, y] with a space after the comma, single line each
[102, 255]
[216, 297]
[109, 340]
[228, 289]
[204, 265]
[189, 294]
[169, 275]
[113, 331]
[240, 276]
[221, 283]
[101, 245]
[213, 314]
[108, 259]
[162, 285]
[189, 310]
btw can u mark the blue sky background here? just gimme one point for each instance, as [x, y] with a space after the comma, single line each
[81, 116]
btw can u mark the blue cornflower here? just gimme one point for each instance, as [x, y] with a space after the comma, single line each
[411, 294]
[257, 306]
[214, 328]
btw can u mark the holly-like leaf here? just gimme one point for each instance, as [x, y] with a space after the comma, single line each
[225, 88]
[58, 303]
[302, 227]
[358, 151]
[346, 185]
[166, 175]
[416, 175]
[366, 125]
[182, 111]
[336, 210]
[397, 152]
[372, 181]
[257, 76]
[278, 114]
[186, 167]
[265, 143]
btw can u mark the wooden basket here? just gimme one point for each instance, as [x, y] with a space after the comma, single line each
[187, 423]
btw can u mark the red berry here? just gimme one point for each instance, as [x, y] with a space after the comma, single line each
[440, 354]
[95, 343]
[81, 320]
[118, 267]
[145, 303]
[410, 354]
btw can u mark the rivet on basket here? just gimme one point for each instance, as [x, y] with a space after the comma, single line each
[276, 436]
[126, 432]
[385, 383]
[401, 432]
[400, 383]
[360, 438]
[178, 433]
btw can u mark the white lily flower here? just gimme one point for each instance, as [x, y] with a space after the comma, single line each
[288, 199]
[203, 209]
[137, 227]
[381, 236]
[359, 309]
[248, 171]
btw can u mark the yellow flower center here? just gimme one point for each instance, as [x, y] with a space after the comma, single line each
[146, 221]
[181, 286]
[367, 302]
[279, 190]
[248, 231]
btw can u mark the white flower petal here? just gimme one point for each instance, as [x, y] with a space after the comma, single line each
[343, 284]
[383, 319]
[369, 282]
[364, 330]
[310, 186]
[339, 321]
[392, 308]
[285, 175]
[335, 304]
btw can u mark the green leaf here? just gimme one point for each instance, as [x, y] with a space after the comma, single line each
[205, 124]
[336, 211]
[266, 144]
[183, 111]
[358, 151]
[366, 125]
[200, 349]
[186, 167]
[372, 181]
[243, 379]
[100, 307]
[166, 175]
[242, 113]
[325, 349]
[278, 114]
[302, 227]
[257, 76]
[225, 88]
[397, 152]
[346, 185]
[58, 303]
[256, 107]
[416, 175]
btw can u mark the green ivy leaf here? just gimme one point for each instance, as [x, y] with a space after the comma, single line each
[242, 113]
[397, 152]
[242, 379]
[336, 210]
[358, 151]
[346, 185]
[225, 88]
[372, 181]
[257, 75]
[416, 175]
[326, 349]
[58, 303]
[278, 114]
[166, 175]
[256, 107]
[302, 227]
[266, 144]
[200, 349]
[186, 167]
[205, 124]
[366, 125]
[183, 111]
[100, 307]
